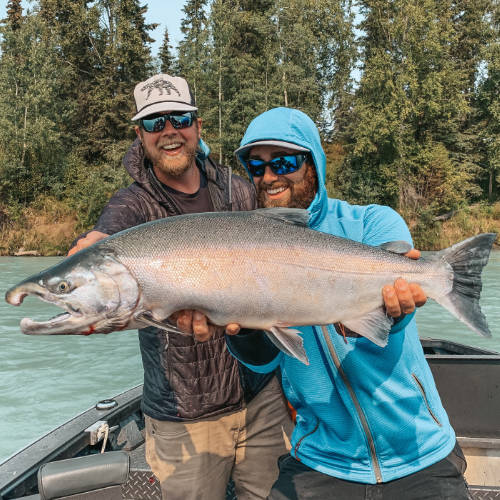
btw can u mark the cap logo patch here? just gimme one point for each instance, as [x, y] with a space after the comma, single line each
[161, 85]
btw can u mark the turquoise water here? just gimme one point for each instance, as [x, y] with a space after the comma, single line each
[48, 379]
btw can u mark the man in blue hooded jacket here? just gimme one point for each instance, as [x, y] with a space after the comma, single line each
[370, 423]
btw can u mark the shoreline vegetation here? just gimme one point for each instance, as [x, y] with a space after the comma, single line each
[49, 229]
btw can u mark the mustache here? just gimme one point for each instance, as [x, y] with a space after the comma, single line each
[275, 184]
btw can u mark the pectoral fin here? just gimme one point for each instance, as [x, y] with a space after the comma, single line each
[289, 341]
[399, 247]
[147, 318]
[375, 326]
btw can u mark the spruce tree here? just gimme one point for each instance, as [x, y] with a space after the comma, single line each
[192, 48]
[32, 113]
[249, 84]
[167, 60]
[488, 106]
[14, 14]
[409, 109]
[125, 60]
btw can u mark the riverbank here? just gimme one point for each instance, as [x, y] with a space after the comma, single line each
[50, 230]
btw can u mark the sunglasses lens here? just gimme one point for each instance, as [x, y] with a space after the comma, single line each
[154, 124]
[181, 121]
[256, 167]
[157, 124]
[280, 166]
[285, 165]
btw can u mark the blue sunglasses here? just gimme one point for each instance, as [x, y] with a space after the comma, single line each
[156, 123]
[281, 165]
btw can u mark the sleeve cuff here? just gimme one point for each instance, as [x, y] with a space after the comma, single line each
[402, 322]
[254, 349]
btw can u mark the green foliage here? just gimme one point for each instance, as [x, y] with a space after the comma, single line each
[32, 113]
[89, 187]
[410, 144]
[14, 14]
[419, 131]
[488, 104]
[167, 60]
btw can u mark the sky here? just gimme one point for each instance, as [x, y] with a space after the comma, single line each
[167, 13]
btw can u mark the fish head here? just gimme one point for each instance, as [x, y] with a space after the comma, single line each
[96, 291]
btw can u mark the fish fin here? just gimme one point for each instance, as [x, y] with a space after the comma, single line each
[467, 260]
[295, 216]
[375, 326]
[147, 318]
[399, 247]
[289, 341]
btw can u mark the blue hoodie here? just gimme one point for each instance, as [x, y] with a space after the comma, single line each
[364, 413]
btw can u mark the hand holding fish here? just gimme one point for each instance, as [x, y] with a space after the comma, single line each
[197, 323]
[402, 297]
[91, 238]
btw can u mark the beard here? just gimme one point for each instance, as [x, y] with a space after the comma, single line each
[299, 195]
[173, 166]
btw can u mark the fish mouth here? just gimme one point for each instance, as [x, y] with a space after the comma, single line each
[64, 323]
[70, 322]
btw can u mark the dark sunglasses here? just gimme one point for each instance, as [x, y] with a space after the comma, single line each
[178, 120]
[281, 165]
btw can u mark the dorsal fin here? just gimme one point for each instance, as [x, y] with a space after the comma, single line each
[296, 216]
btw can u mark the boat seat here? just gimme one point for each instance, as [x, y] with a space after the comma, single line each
[91, 477]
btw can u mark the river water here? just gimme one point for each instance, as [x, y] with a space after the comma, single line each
[48, 379]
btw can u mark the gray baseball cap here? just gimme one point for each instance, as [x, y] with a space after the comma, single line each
[243, 150]
[162, 92]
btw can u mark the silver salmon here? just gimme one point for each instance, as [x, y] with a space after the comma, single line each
[264, 269]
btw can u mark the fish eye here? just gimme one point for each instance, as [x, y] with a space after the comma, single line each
[63, 287]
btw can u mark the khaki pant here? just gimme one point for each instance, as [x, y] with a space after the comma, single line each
[194, 460]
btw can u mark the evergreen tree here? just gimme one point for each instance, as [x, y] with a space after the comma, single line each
[409, 110]
[296, 49]
[488, 102]
[32, 111]
[14, 14]
[192, 49]
[249, 84]
[74, 27]
[167, 60]
[332, 30]
[125, 60]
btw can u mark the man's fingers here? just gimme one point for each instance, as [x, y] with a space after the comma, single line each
[90, 239]
[391, 301]
[185, 320]
[201, 329]
[404, 295]
[413, 254]
[398, 299]
[419, 296]
[232, 329]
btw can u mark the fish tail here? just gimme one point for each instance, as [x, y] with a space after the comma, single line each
[467, 260]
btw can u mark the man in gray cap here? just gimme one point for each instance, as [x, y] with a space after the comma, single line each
[207, 416]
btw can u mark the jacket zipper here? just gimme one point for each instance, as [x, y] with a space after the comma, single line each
[299, 442]
[426, 401]
[359, 410]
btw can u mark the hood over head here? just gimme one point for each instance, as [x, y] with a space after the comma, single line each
[297, 129]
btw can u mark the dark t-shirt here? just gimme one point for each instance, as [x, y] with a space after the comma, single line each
[198, 202]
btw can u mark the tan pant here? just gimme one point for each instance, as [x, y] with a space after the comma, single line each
[194, 460]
